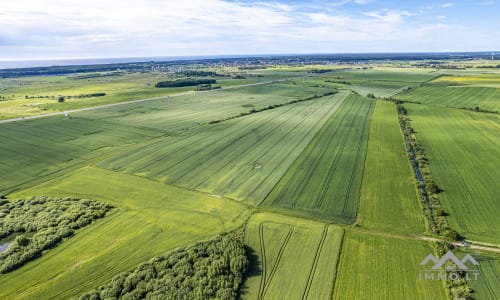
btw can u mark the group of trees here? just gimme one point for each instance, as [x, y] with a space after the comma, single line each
[184, 82]
[206, 270]
[40, 223]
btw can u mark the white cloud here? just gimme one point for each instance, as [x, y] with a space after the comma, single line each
[447, 5]
[112, 28]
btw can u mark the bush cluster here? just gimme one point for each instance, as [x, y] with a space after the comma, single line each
[206, 270]
[40, 223]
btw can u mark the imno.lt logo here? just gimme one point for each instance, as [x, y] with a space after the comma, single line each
[449, 266]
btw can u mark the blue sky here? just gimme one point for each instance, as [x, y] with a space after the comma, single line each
[60, 29]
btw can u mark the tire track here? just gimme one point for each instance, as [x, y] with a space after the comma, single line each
[315, 262]
[267, 282]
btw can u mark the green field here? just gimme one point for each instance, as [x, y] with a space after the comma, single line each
[283, 246]
[488, 283]
[151, 219]
[242, 158]
[462, 148]
[128, 86]
[325, 180]
[62, 143]
[388, 198]
[487, 98]
[186, 111]
[381, 267]
[321, 185]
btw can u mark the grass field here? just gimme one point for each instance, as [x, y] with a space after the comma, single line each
[129, 86]
[284, 246]
[242, 158]
[462, 148]
[61, 142]
[150, 219]
[487, 98]
[380, 267]
[381, 82]
[182, 169]
[488, 284]
[388, 198]
[33, 149]
[325, 180]
[182, 112]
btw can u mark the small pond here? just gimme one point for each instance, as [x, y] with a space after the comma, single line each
[4, 247]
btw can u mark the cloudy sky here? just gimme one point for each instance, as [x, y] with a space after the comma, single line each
[60, 29]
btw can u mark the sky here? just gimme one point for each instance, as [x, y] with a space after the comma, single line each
[65, 29]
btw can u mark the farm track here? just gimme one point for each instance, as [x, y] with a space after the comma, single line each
[315, 263]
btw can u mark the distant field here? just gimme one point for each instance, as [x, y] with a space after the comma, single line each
[242, 158]
[379, 82]
[488, 284]
[61, 142]
[379, 267]
[388, 198]
[455, 96]
[393, 75]
[462, 148]
[486, 80]
[182, 112]
[151, 219]
[325, 180]
[128, 86]
[295, 259]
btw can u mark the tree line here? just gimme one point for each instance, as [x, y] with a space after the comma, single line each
[39, 223]
[184, 82]
[206, 270]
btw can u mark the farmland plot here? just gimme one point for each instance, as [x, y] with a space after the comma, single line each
[33, 149]
[284, 246]
[380, 267]
[487, 98]
[488, 284]
[325, 180]
[462, 148]
[242, 158]
[182, 112]
[388, 199]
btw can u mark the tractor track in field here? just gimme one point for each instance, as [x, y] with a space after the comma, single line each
[315, 262]
[265, 282]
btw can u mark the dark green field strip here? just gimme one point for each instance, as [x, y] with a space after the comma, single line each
[241, 158]
[29, 150]
[388, 200]
[462, 148]
[325, 180]
[487, 98]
